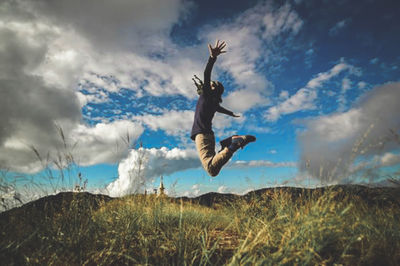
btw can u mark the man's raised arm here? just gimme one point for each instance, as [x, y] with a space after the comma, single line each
[214, 52]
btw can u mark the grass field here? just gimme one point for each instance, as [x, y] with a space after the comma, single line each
[275, 226]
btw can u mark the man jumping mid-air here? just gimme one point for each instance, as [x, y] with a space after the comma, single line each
[209, 103]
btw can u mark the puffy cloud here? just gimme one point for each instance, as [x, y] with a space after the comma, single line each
[29, 107]
[243, 100]
[331, 144]
[125, 44]
[98, 97]
[103, 45]
[142, 74]
[304, 98]
[172, 122]
[39, 70]
[142, 165]
[104, 142]
[113, 25]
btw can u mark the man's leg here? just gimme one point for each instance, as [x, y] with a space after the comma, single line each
[219, 160]
[212, 163]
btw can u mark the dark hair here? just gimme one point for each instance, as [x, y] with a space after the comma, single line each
[219, 88]
[199, 84]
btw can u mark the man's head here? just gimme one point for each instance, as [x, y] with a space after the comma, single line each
[218, 89]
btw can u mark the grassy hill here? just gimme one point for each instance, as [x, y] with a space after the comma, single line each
[351, 225]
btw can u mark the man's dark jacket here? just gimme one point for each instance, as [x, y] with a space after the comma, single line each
[207, 105]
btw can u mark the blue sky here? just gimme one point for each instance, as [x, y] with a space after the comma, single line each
[316, 81]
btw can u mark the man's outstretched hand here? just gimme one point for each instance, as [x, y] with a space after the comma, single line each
[217, 50]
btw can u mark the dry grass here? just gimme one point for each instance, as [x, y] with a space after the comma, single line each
[272, 228]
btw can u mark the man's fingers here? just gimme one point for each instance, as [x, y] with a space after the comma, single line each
[210, 49]
[217, 43]
[221, 52]
[222, 46]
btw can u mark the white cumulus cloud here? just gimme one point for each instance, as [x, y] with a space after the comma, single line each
[142, 165]
[104, 142]
[172, 122]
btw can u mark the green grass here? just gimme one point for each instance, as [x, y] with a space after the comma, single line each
[269, 229]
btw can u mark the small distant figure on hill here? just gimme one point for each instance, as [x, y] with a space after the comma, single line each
[208, 103]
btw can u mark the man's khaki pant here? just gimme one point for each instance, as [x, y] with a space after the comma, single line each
[212, 162]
